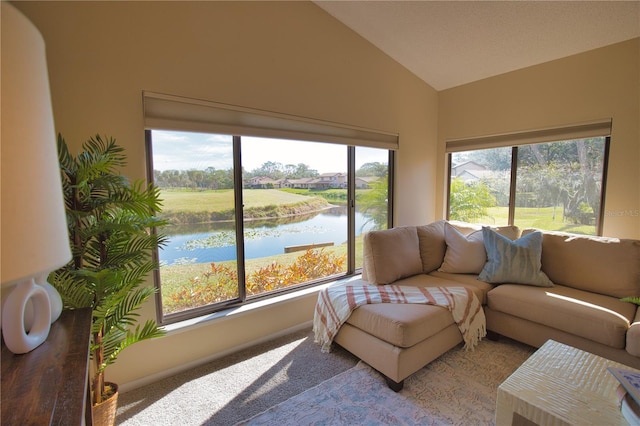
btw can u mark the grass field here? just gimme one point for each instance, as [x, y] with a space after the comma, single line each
[548, 218]
[220, 200]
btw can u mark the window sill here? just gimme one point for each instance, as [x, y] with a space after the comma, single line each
[228, 314]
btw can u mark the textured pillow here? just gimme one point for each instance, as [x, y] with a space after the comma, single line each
[514, 262]
[464, 254]
[390, 255]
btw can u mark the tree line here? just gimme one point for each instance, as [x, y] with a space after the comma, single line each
[567, 174]
[212, 178]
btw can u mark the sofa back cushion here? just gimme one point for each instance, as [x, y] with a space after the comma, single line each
[465, 254]
[390, 255]
[432, 245]
[609, 266]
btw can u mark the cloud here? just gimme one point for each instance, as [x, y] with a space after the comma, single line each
[188, 150]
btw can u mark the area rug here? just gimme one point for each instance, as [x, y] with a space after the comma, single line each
[459, 388]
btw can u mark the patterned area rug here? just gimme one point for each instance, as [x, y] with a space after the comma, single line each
[459, 388]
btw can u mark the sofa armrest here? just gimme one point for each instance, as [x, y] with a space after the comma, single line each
[633, 336]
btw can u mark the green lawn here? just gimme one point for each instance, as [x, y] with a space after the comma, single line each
[221, 200]
[547, 218]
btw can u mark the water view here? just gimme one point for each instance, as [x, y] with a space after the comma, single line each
[301, 186]
[216, 242]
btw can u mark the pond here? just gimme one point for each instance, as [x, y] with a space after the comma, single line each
[215, 242]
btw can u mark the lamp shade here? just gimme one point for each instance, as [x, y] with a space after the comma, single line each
[33, 223]
[33, 233]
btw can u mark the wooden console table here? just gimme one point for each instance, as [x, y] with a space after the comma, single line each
[49, 385]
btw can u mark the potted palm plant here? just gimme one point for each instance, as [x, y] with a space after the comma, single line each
[112, 236]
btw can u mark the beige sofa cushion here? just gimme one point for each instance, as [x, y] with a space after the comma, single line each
[470, 281]
[390, 255]
[432, 245]
[465, 254]
[401, 325]
[404, 325]
[602, 265]
[596, 317]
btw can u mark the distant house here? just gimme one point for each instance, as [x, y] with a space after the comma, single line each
[302, 183]
[469, 171]
[262, 182]
[365, 182]
[324, 181]
[332, 180]
[467, 166]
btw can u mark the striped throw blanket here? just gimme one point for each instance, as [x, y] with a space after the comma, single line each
[335, 304]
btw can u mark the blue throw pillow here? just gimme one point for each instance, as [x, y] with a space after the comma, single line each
[514, 262]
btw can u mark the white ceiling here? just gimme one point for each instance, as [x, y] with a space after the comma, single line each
[450, 43]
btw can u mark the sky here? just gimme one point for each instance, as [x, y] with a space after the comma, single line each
[185, 150]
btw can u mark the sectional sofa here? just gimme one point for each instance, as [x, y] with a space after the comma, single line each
[533, 285]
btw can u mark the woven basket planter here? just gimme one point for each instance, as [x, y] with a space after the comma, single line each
[104, 413]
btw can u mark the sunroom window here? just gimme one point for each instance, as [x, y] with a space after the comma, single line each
[556, 184]
[251, 217]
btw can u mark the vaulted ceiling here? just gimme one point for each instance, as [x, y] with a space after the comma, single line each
[450, 43]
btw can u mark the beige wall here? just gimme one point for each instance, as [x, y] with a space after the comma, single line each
[603, 83]
[288, 57]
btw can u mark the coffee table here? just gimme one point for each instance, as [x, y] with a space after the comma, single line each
[560, 385]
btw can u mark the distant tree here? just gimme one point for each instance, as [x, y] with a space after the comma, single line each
[299, 171]
[271, 169]
[469, 201]
[374, 203]
[304, 171]
[373, 169]
[562, 173]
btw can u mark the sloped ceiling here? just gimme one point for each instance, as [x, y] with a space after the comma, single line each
[450, 43]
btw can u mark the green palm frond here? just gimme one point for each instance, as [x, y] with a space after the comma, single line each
[111, 232]
[149, 331]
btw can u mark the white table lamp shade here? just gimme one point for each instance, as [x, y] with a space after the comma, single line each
[34, 239]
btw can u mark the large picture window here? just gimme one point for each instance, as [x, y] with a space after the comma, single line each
[252, 217]
[556, 185]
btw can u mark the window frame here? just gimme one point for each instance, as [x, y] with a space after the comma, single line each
[532, 139]
[243, 298]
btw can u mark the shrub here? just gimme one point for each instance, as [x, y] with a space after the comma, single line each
[220, 283]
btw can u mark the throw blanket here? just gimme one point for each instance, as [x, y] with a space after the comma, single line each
[336, 303]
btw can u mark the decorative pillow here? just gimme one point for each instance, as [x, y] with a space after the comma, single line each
[514, 262]
[390, 255]
[432, 245]
[464, 254]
